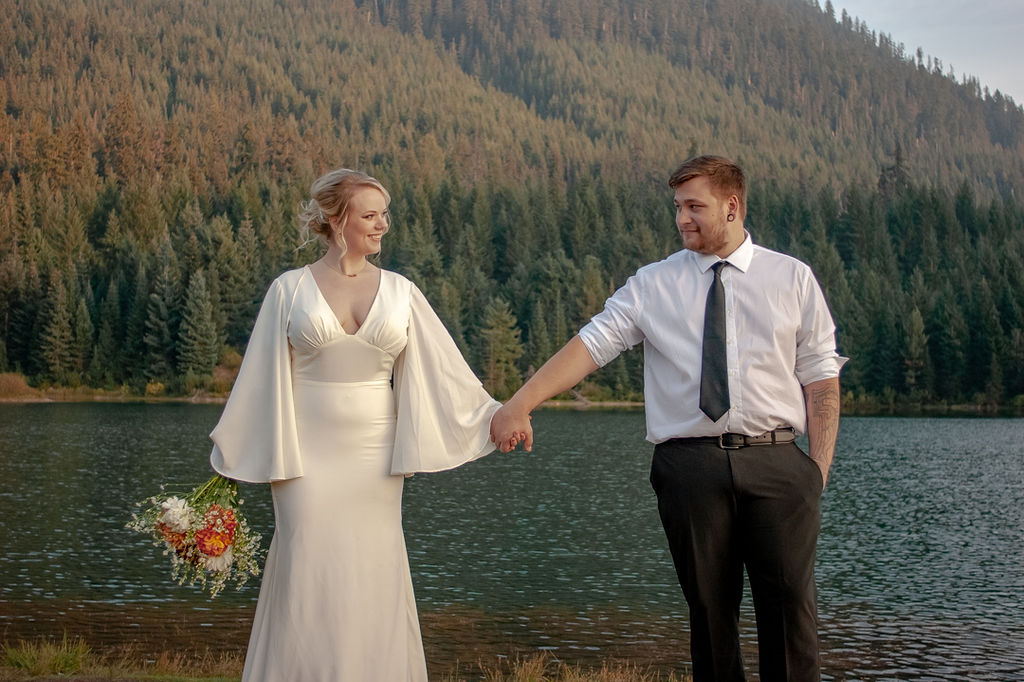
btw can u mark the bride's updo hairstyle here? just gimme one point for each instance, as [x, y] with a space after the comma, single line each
[331, 193]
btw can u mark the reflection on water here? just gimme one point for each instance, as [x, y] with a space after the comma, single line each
[920, 566]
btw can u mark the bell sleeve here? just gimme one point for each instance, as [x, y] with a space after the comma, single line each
[256, 439]
[444, 413]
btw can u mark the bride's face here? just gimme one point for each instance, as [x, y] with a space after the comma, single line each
[368, 220]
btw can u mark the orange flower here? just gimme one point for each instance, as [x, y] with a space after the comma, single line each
[221, 519]
[212, 542]
[175, 540]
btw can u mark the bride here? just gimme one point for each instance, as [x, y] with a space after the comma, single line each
[349, 383]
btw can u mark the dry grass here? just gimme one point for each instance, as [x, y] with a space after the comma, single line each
[73, 660]
[46, 657]
[546, 668]
[13, 385]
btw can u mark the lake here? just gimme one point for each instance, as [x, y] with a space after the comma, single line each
[920, 562]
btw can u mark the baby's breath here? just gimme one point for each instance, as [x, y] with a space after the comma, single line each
[203, 533]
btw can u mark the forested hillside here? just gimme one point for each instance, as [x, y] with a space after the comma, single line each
[153, 154]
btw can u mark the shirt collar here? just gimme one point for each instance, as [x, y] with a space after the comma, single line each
[739, 258]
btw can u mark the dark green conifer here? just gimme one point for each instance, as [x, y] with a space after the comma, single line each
[502, 349]
[56, 340]
[198, 341]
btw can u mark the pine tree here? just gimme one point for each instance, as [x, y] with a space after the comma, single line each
[500, 340]
[250, 284]
[587, 228]
[56, 340]
[987, 345]
[948, 336]
[82, 342]
[595, 291]
[883, 355]
[449, 309]
[162, 319]
[418, 249]
[539, 339]
[560, 328]
[159, 339]
[123, 140]
[104, 363]
[199, 344]
[915, 356]
[134, 348]
[12, 279]
[894, 180]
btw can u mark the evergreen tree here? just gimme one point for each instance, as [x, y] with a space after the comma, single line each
[987, 345]
[560, 327]
[162, 319]
[450, 310]
[123, 140]
[199, 344]
[137, 313]
[948, 337]
[894, 180]
[500, 340]
[103, 365]
[57, 340]
[82, 342]
[883, 358]
[915, 356]
[539, 339]
[418, 251]
[595, 291]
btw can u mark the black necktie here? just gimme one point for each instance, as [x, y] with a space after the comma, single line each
[714, 366]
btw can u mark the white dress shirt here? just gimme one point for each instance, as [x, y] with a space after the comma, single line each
[780, 337]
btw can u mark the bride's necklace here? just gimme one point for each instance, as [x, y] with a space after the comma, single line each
[342, 272]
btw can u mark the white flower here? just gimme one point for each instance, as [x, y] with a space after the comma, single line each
[175, 514]
[218, 563]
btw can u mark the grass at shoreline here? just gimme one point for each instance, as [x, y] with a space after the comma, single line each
[73, 660]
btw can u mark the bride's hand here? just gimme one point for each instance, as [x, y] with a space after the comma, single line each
[509, 428]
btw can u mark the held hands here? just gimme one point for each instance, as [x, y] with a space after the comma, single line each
[510, 427]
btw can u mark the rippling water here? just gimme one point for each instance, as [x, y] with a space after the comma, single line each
[920, 563]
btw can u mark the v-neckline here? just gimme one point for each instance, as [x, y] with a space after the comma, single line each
[369, 311]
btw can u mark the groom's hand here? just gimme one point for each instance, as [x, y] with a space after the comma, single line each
[509, 427]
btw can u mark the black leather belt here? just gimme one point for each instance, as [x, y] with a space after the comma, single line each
[735, 441]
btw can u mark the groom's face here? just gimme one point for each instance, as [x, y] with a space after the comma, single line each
[702, 218]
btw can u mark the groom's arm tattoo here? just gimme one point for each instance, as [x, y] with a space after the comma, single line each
[822, 421]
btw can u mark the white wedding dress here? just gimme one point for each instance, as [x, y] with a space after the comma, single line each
[314, 412]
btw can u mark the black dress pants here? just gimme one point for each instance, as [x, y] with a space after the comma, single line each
[755, 507]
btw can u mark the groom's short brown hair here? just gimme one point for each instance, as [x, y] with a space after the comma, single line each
[726, 177]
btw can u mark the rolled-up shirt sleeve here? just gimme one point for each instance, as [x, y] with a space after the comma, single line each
[816, 356]
[616, 328]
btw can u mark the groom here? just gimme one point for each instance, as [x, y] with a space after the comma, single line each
[739, 357]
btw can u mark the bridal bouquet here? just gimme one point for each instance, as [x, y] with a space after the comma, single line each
[204, 534]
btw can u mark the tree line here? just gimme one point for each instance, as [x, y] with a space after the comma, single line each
[925, 285]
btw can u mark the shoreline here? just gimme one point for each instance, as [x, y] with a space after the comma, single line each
[42, 396]
[61, 397]
[15, 390]
[82, 641]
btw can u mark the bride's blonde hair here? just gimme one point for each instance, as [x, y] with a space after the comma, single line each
[330, 194]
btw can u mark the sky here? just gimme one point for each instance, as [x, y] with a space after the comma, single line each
[983, 38]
